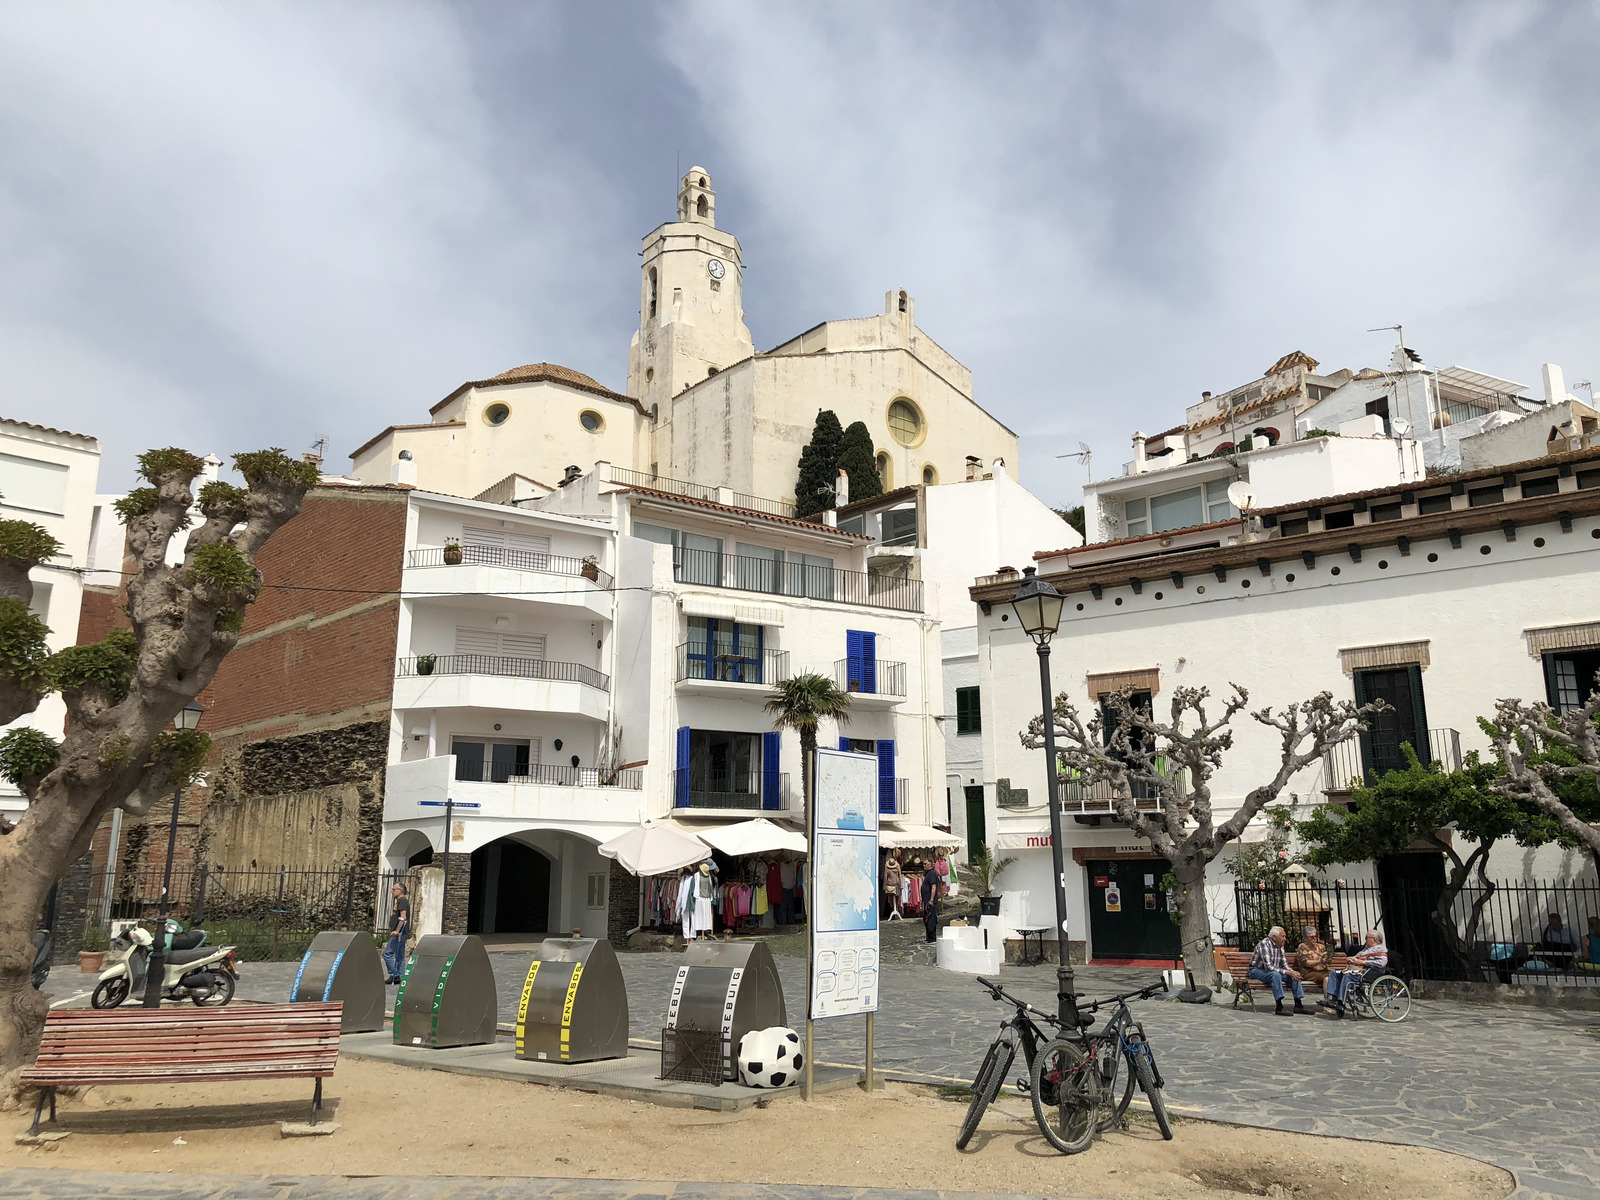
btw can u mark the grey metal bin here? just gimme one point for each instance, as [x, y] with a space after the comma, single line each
[574, 1004]
[727, 988]
[447, 996]
[344, 966]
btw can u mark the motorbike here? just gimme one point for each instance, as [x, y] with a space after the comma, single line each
[42, 944]
[205, 975]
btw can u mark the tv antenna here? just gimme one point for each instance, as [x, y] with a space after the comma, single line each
[1084, 456]
[1586, 386]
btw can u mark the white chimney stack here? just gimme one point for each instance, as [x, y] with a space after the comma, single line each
[1138, 453]
[404, 470]
[841, 489]
[1555, 384]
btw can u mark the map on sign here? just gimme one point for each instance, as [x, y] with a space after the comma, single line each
[847, 792]
[844, 882]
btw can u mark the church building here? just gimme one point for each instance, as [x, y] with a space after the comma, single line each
[702, 405]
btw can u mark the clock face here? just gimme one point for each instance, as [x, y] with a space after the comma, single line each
[716, 269]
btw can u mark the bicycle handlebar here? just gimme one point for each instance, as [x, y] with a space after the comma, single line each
[1145, 993]
[999, 993]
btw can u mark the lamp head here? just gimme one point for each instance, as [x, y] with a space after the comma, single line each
[188, 717]
[1038, 606]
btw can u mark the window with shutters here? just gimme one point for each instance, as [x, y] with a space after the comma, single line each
[492, 652]
[967, 713]
[1571, 677]
[597, 889]
[494, 760]
[505, 548]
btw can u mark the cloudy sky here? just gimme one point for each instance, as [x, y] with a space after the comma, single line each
[226, 226]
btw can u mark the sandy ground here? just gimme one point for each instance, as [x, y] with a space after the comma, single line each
[398, 1120]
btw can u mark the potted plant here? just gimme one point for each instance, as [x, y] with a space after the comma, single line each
[425, 663]
[452, 554]
[986, 871]
[92, 954]
[591, 568]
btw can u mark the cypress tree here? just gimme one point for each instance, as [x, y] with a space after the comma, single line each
[860, 462]
[819, 466]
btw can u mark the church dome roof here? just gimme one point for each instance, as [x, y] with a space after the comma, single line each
[553, 372]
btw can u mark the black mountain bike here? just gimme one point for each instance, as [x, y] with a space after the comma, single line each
[1074, 1079]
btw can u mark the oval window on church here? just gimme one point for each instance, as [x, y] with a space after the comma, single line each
[496, 414]
[905, 422]
[591, 420]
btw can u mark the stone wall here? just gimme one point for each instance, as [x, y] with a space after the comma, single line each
[622, 913]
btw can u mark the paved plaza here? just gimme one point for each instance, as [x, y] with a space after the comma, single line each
[1516, 1087]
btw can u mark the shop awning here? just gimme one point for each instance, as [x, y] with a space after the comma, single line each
[656, 848]
[916, 837]
[758, 836]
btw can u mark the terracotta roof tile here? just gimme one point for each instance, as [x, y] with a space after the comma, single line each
[733, 510]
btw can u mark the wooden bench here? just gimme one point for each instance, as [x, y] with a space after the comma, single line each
[1237, 964]
[83, 1047]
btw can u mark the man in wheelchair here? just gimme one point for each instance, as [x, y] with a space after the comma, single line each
[1365, 966]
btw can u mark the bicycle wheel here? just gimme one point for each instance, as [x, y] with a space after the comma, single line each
[986, 1086]
[1389, 998]
[1111, 1112]
[1063, 1070]
[1145, 1069]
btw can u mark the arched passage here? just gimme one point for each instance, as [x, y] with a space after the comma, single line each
[510, 891]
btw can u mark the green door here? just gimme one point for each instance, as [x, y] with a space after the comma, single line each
[977, 834]
[1128, 913]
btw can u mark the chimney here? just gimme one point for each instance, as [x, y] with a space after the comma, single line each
[571, 473]
[1138, 453]
[1555, 384]
[404, 470]
[973, 463]
[1204, 396]
[830, 518]
[999, 466]
[841, 489]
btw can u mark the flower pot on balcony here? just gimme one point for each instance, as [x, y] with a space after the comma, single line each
[425, 664]
[452, 556]
[591, 571]
[90, 962]
[855, 685]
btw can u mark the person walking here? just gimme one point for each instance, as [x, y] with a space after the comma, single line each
[930, 903]
[394, 952]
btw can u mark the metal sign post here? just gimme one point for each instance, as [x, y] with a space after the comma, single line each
[449, 806]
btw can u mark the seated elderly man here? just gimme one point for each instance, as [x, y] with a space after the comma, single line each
[1270, 966]
[1374, 957]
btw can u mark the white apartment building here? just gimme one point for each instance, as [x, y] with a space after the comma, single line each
[602, 656]
[47, 477]
[1440, 595]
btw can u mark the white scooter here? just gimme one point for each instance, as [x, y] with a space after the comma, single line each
[205, 975]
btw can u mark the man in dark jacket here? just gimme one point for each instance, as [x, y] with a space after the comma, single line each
[930, 902]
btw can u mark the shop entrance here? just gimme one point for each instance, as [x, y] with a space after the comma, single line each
[510, 889]
[1128, 910]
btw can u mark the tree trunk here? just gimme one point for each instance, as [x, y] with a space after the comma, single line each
[22, 1007]
[1194, 923]
[808, 748]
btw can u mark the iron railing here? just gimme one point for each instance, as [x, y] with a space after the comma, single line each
[714, 568]
[777, 508]
[700, 491]
[1501, 933]
[1099, 797]
[697, 787]
[697, 661]
[499, 664]
[477, 770]
[1345, 766]
[870, 676]
[516, 560]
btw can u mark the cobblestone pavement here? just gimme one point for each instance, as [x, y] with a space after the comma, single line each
[1515, 1087]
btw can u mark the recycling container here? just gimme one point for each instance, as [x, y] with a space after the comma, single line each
[447, 995]
[574, 1004]
[347, 967]
[728, 988]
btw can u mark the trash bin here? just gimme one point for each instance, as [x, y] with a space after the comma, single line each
[344, 966]
[574, 1005]
[447, 995]
[725, 988]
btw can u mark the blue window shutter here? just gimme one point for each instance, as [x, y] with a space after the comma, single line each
[853, 639]
[770, 799]
[869, 663]
[886, 776]
[844, 743]
[680, 781]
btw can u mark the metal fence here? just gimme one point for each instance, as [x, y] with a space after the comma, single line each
[502, 664]
[1350, 764]
[870, 676]
[270, 915]
[1501, 933]
[472, 769]
[778, 576]
[702, 661]
[710, 787]
[516, 560]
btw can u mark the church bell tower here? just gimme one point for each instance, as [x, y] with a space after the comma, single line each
[691, 300]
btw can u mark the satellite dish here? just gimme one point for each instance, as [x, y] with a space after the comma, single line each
[1401, 427]
[1241, 495]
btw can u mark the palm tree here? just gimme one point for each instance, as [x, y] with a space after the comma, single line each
[800, 703]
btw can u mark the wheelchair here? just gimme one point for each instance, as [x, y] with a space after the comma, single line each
[1381, 992]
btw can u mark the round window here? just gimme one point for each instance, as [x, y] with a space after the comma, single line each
[591, 420]
[905, 422]
[496, 414]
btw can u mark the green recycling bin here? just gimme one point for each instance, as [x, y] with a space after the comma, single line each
[447, 995]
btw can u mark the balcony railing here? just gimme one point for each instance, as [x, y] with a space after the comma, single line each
[1350, 764]
[696, 787]
[700, 491]
[516, 560]
[712, 568]
[870, 676]
[697, 661]
[476, 770]
[1081, 796]
[495, 664]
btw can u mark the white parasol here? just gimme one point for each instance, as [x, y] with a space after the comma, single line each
[758, 836]
[653, 849]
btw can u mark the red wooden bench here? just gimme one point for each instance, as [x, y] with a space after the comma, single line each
[1237, 964]
[83, 1047]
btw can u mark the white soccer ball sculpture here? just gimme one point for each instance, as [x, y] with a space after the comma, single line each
[770, 1058]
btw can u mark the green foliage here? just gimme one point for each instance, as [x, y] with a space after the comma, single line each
[1073, 517]
[186, 751]
[230, 620]
[25, 544]
[222, 566]
[107, 665]
[986, 869]
[26, 755]
[819, 466]
[274, 467]
[218, 499]
[137, 503]
[95, 937]
[859, 460]
[802, 701]
[1316, 433]
[116, 752]
[1268, 860]
[24, 656]
[156, 465]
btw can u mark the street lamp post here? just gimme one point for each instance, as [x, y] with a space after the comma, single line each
[155, 972]
[1038, 607]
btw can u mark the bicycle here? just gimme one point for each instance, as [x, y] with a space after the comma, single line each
[1021, 1030]
[1073, 1079]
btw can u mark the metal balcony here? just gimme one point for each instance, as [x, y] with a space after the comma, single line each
[495, 664]
[700, 663]
[871, 678]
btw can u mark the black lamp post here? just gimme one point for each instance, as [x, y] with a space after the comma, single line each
[1038, 608]
[188, 718]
